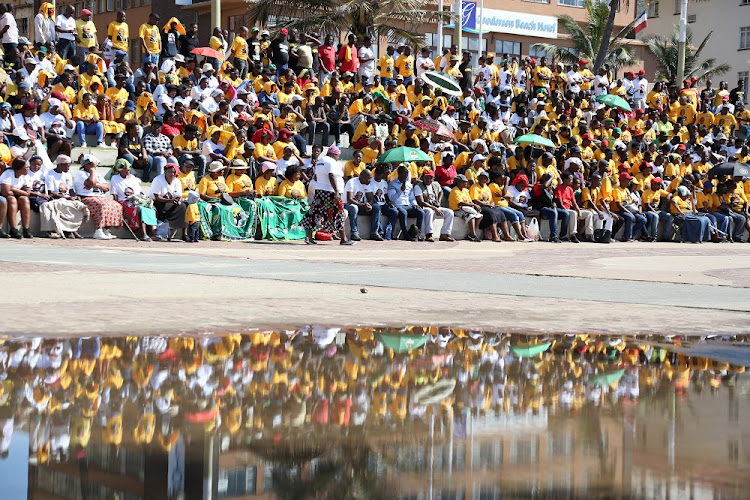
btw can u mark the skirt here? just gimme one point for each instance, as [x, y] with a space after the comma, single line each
[326, 214]
[131, 214]
[105, 212]
[491, 216]
[169, 212]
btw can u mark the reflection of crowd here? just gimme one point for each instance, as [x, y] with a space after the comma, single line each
[138, 391]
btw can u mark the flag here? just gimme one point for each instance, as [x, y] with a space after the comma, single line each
[641, 22]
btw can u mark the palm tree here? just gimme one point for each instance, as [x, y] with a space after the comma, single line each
[665, 51]
[394, 19]
[594, 38]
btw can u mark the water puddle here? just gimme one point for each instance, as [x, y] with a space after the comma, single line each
[409, 413]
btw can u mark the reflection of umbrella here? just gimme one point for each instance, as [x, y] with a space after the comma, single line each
[534, 140]
[442, 81]
[731, 168]
[614, 101]
[208, 52]
[401, 342]
[402, 154]
[435, 127]
[434, 393]
[607, 378]
[529, 350]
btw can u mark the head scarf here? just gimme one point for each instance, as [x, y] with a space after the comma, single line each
[46, 6]
[180, 28]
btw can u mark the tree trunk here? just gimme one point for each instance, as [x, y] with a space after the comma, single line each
[607, 35]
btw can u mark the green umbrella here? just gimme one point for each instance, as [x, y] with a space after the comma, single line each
[529, 350]
[534, 140]
[403, 154]
[401, 342]
[607, 378]
[442, 81]
[614, 101]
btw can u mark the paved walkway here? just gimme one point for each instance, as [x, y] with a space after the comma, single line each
[121, 286]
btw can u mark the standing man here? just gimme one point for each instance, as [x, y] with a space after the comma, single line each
[327, 57]
[240, 52]
[189, 41]
[65, 27]
[9, 29]
[119, 33]
[279, 52]
[348, 57]
[86, 30]
[366, 60]
[303, 52]
[253, 45]
[424, 62]
[405, 66]
[44, 25]
[640, 89]
[169, 38]
[150, 39]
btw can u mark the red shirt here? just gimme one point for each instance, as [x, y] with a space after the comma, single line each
[445, 175]
[351, 65]
[566, 195]
[327, 56]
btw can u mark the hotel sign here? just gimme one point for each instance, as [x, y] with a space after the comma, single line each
[503, 21]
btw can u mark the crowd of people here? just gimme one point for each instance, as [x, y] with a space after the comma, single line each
[257, 386]
[231, 128]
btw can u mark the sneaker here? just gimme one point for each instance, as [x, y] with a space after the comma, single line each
[27, 233]
[15, 233]
[100, 235]
[310, 241]
[145, 238]
[376, 237]
[3, 234]
[109, 234]
[101, 145]
[346, 242]
[555, 239]
[355, 237]
[158, 238]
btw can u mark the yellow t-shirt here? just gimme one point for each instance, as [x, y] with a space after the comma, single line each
[151, 37]
[239, 183]
[120, 34]
[497, 195]
[188, 183]
[386, 65]
[295, 190]
[86, 32]
[458, 196]
[180, 142]
[81, 112]
[239, 48]
[479, 193]
[653, 198]
[118, 96]
[212, 187]
[352, 170]
[266, 187]
[405, 65]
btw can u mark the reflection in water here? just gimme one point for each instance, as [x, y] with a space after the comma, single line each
[415, 413]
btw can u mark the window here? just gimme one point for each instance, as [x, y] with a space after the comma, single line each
[513, 49]
[537, 1]
[471, 44]
[745, 77]
[653, 8]
[23, 26]
[677, 6]
[110, 5]
[539, 53]
[146, 2]
[135, 51]
[572, 3]
[745, 37]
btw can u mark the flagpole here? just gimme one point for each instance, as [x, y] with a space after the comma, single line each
[459, 26]
[481, 17]
[681, 44]
[440, 30]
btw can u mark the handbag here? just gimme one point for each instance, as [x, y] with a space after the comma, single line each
[532, 228]
[602, 235]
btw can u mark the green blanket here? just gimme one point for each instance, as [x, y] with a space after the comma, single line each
[280, 217]
[229, 222]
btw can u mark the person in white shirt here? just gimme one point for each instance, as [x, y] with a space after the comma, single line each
[15, 187]
[329, 190]
[44, 25]
[166, 191]
[92, 188]
[601, 83]
[429, 196]
[424, 62]
[484, 75]
[366, 55]
[640, 86]
[574, 80]
[30, 71]
[359, 200]
[123, 185]
[450, 118]
[9, 28]
[65, 27]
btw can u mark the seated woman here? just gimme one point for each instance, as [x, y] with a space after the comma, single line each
[15, 188]
[266, 184]
[292, 186]
[695, 229]
[499, 189]
[221, 219]
[92, 188]
[166, 191]
[107, 116]
[460, 202]
[64, 213]
[239, 185]
[492, 217]
[124, 188]
[130, 148]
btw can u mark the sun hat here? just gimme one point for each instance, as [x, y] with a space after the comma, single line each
[238, 163]
[215, 166]
[267, 165]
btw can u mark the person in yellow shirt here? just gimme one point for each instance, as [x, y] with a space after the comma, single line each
[292, 186]
[239, 51]
[119, 32]
[452, 68]
[726, 121]
[353, 167]
[405, 65]
[459, 200]
[542, 76]
[87, 121]
[266, 184]
[213, 184]
[150, 39]
[386, 64]
[239, 185]
[86, 31]
[651, 203]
